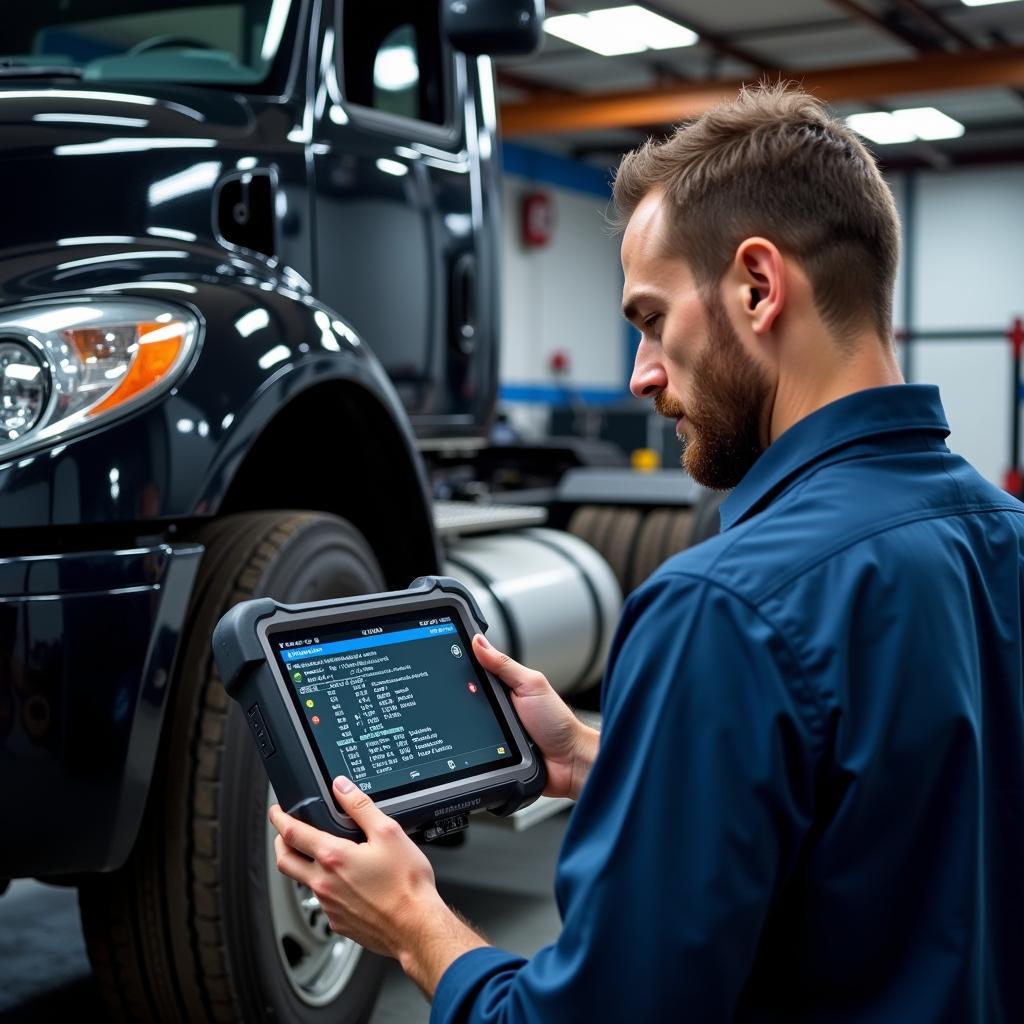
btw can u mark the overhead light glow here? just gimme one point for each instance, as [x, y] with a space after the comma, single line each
[275, 28]
[130, 146]
[104, 119]
[928, 123]
[395, 68]
[910, 125]
[273, 355]
[96, 240]
[984, 3]
[880, 127]
[58, 319]
[392, 167]
[617, 30]
[185, 236]
[192, 179]
[251, 322]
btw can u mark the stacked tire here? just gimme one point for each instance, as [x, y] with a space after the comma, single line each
[634, 542]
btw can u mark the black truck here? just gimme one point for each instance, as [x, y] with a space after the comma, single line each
[248, 270]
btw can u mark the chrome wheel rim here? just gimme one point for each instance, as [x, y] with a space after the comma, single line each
[317, 963]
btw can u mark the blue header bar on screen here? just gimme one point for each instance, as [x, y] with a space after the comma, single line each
[362, 643]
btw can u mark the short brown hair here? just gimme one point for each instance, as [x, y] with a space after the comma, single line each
[774, 163]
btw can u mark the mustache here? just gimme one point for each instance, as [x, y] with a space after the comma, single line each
[668, 407]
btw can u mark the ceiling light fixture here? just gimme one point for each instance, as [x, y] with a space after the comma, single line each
[909, 125]
[984, 3]
[928, 123]
[618, 30]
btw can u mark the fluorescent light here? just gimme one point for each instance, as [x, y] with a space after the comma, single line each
[929, 123]
[984, 3]
[617, 30]
[392, 167]
[880, 127]
[395, 68]
[909, 125]
[643, 26]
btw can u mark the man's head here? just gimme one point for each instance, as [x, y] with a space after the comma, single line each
[762, 225]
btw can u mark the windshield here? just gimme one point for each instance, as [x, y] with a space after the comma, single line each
[142, 40]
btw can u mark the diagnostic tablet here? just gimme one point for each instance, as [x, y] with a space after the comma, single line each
[384, 689]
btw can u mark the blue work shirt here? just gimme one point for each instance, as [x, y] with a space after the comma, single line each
[809, 798]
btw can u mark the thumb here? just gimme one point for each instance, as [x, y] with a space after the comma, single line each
[518, 678]
[358, 806]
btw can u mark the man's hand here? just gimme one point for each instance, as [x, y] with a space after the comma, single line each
[380, 893]
[569, 747]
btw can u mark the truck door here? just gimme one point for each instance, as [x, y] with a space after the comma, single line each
[398, 200]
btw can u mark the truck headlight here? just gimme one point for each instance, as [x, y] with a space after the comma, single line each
[24, 389]
[62, 366]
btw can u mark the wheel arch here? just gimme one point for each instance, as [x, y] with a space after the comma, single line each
[336, 448]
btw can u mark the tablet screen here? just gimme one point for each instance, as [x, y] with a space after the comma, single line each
[395, 703]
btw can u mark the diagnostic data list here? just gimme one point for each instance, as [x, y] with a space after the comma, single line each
[396, 707]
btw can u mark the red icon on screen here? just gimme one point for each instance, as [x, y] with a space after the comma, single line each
[471, 686]
[316, 719]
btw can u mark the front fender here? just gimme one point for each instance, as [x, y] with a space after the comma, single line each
[264, 343]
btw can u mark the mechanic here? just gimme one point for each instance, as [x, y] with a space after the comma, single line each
[807, 798]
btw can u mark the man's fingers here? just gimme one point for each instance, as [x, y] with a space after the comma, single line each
[293, 864]
[298, 834]
[516, 677]
[362, 810]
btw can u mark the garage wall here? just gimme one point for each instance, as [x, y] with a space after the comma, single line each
[564, 296]
[960, 275]
[963, 254]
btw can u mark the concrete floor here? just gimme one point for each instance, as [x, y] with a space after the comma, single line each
[500, 880]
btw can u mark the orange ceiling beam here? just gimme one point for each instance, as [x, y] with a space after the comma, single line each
[926, 73]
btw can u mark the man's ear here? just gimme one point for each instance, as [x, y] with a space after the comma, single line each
[758, 281]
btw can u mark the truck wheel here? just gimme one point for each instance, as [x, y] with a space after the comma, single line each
[663, 533]
[612, 532]
[199, 925]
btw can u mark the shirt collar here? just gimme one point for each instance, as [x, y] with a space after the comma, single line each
[856, 417]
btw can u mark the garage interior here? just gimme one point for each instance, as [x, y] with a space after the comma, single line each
[936, 89]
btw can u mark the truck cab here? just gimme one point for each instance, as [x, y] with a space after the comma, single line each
[249, 271]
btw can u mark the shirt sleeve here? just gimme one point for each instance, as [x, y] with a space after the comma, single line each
[690, 823]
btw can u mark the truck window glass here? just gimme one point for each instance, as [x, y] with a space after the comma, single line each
[213, 44]
[393, 57]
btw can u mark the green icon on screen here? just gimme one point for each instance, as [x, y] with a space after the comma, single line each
[297, 676]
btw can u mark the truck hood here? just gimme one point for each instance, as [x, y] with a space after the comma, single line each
[86, 160]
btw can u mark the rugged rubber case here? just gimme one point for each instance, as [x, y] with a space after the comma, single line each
[300, 790]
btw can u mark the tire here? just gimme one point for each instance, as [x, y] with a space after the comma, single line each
[706, 519]
[611, 531]
[664, 533]
[199, 925]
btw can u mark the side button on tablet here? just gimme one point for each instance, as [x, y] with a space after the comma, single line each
[259, 730]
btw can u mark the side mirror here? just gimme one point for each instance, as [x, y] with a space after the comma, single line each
[501, 28]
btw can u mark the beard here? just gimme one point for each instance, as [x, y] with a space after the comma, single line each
[728, 409]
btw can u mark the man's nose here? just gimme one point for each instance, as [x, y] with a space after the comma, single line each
[649, 378]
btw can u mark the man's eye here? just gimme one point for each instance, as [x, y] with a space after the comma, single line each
[652, 321]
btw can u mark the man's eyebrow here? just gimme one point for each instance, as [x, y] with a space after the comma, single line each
[631, 308]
